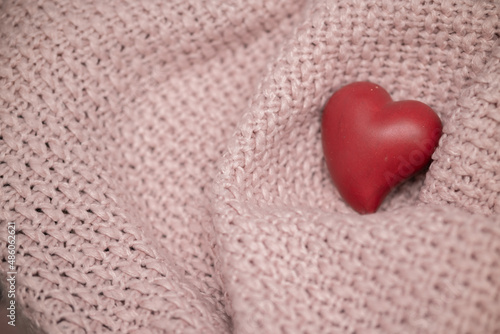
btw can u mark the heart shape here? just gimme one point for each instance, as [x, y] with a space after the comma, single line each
[371, 143]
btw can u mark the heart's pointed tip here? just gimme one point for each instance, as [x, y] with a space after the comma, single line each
[365, 210]
[364, 199]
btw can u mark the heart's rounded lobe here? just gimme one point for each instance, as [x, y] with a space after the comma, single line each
[371, 143]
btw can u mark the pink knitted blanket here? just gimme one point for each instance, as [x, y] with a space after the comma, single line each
[162, 165]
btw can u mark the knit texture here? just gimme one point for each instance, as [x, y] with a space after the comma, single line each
[162, 163]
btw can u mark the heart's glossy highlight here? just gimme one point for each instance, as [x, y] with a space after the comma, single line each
[371, 143]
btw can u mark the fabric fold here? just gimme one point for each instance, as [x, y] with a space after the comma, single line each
[273, 182]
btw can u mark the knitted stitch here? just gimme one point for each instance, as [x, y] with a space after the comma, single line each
[162, 163]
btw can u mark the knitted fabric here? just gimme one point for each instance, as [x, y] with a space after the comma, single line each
[162, 163]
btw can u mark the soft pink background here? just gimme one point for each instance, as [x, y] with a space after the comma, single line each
[163, 164]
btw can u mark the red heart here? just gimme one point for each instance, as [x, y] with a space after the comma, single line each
[371, 143]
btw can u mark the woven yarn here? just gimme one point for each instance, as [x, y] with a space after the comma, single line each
[162, 163]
